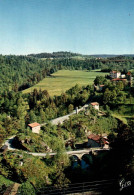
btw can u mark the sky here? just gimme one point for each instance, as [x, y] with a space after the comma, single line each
[81, 26]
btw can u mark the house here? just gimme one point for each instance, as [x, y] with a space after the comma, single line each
[35, 127]
[123, 76]
[101, 87]
[95, 105]
[98, 87]
[93, 141]
[97, 141]
[115, 74]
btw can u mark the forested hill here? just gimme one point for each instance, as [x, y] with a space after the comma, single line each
[18, 72]
[60, 54]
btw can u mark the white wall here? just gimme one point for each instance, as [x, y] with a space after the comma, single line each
[36, 129]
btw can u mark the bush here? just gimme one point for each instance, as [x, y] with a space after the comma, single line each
[26, 189]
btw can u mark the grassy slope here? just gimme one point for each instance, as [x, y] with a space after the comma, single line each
[122, 118]
[65, 79]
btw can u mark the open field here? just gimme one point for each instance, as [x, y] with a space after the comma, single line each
[65, 79]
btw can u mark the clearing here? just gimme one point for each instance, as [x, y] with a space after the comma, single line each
[63, 80]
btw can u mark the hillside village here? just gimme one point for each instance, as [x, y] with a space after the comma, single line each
[50, 131]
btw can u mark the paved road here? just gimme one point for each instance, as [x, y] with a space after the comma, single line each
[66, 117]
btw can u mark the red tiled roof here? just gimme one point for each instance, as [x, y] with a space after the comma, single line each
[33, 124]
[97, 138]
[94, 103]
[119, 79]
[94, 137]
[129, 73]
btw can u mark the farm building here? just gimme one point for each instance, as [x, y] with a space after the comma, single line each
[35, 127]
[95, 105]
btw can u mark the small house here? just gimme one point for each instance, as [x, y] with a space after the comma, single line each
[93, 141]
[35, 127]
[98, 87]
[95, 105]
[101, 87]
[97, 141]
[123, 76]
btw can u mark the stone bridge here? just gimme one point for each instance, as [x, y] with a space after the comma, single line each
[78, 153]
[81, 153]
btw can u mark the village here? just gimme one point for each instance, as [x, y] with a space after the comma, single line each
[94, 140]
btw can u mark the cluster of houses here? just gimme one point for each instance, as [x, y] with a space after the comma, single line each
[117, 76]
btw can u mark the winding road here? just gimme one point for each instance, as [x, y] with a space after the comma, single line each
[56, 121]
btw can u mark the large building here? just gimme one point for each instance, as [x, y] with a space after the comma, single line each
[115, 74]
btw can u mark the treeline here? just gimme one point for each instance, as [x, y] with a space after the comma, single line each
[20, 72]
[121, 63]
[60, 54]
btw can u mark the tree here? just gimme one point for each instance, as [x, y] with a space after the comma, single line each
[99, 80]
[120, 85]
[26, 189]
[70, 108]
[42, 115]
[106, 96]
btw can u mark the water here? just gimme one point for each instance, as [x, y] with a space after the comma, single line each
[84, 164]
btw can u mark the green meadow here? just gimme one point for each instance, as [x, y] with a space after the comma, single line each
[65, 79]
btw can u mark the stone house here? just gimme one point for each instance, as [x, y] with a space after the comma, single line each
[35, 127]
[95, 105]
[93, 141]
[97, 141]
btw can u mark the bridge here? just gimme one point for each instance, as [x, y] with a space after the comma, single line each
[78, 153]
